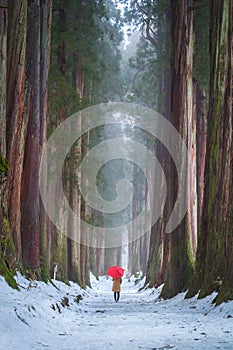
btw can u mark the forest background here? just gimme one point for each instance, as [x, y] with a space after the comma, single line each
[60, 57]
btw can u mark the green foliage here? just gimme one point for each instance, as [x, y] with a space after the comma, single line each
[5, 239]
[61, 93]
[201, 58]
[60, 258]
[142, 12]
[4, 168]
[8, 274]
[147, 66]
[225, 294]
[138, 275]
[85, 39]
[110, 82]
[43, 270]
[7, 254]
[145, 78]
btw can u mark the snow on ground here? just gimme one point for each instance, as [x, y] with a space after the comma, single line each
[30, 319]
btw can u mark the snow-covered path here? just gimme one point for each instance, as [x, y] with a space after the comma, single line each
[142, 321]
[139, 321]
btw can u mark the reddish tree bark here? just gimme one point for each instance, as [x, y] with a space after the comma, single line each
[201, 117]
[3, 57]
[159, 240]
[7, 249]
[45, 33]
[16, 122]
[35, 107]
[214, 254]
[181, 114]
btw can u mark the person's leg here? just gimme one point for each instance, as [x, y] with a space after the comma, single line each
[118, 296]
[115, 296]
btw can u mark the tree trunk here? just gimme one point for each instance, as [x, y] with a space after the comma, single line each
[7, 249]
[226, 290]
[110, 257]
[201, 117]
[74, 267]
[35, 107]
[181, 249]
[16, 121]
[214, 254]
[159, 240]
[84, 249]
[134, 244]
[3, 58]
[45, 31]
[97, 265]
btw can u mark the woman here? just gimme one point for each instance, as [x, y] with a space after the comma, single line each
[116, 288]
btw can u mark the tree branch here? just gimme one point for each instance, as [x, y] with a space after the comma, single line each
[141, 69]
[152, 40]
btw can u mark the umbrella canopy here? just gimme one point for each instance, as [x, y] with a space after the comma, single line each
[115, 271]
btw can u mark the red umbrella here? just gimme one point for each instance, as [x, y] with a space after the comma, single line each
[115, 271]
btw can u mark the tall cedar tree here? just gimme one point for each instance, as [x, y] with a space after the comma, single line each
[27, 76]
[214, 255]
[159, 240]
[7, 249]
[181, 241]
